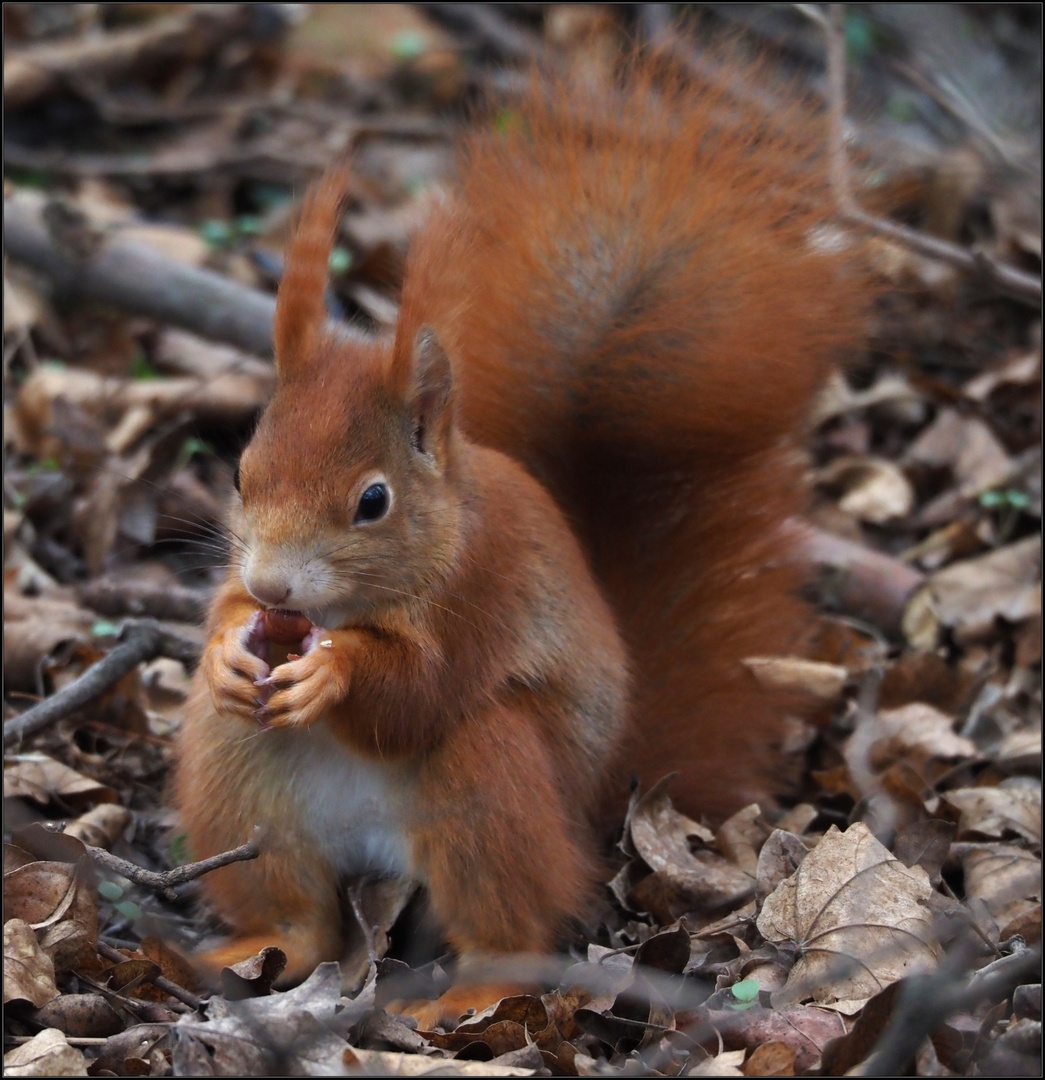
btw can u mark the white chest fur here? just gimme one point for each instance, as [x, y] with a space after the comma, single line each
[356, 806]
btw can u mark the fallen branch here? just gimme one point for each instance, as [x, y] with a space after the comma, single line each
[1013, 282]
[186, 997]
[926, 1001]
[140, 641]
[42, 69]
[164, 882]
[84, 262]
[856, 579]
[139, 279]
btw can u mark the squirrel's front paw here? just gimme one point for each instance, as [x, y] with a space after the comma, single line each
[233, 670]
[305, 689]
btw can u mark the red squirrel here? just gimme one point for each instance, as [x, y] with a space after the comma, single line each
[524, 544]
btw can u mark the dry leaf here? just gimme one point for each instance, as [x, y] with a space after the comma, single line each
[998, 811]
[725, 1064]
[822, 681]
[44, 780]
[967, 446]
[968, 596]
[856, 916]
[28, 970]
[874, 490]
[389, 1063]
[46, 1054]
[1006, 878]
[921, 728]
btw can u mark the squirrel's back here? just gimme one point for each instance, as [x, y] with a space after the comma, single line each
[642, 291]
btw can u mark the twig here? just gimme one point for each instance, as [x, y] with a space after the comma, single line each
[33, 72]
[115, 598]
[141, 641]
[165, 881]
[859, 580]
[137, 278]
[489, 27]
[186, 997]
[1015, 283]
[926, 1001]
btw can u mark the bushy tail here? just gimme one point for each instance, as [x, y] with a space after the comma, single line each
[655, 291]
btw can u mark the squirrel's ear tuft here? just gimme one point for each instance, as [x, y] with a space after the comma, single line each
[430, 393]
[300, 306]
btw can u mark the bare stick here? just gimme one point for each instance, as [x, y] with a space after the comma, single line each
[114, 597]
[927, 1000]
[164, 882]
[137, 278]
[88, 264]
[186, 997]
[141, 641]
[1015, 283]
[41, 69]
[863, 582]
[487, 25]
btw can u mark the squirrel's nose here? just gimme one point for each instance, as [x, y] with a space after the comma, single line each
[273, 591]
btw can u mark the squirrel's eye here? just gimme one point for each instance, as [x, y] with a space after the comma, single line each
[372, 503]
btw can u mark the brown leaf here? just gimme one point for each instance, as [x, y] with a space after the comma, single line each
[842, 1054]
[854, 912]
[44, 780]
[968, 596]
[770, 1059]
[926, 844]
[806, 1029]
[1006, 878]
[873, 490]
[918, 728]
[46, 1054]
[780, 857]
[997, 811]
[28, 970]
[82, 1015]
[824, 682]
[45, 893]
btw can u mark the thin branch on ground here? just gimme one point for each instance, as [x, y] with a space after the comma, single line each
[165, 881]
[33, 72]
[927, 1000]
[142, 640]
[1013, 282]
[186, 997]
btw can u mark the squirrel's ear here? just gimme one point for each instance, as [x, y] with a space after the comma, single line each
[300, 305]
[430, 393]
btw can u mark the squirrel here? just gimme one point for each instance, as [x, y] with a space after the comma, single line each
[486, 567]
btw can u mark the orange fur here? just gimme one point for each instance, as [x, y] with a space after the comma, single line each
[631, 306]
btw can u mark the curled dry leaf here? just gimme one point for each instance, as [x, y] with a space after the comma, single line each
[46, 1054]
[822, 681]
[44, 780]
[968, 596]
[966, 446]
[101, 826]
[682, 880]
[920, 729]
[998, 811]
[45, 894]
[28, 970]
[390, 1063]
[873, 490]
[857, 917]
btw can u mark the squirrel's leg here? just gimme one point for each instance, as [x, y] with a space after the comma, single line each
[282, 899]
[229, 779]
[504, 860]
